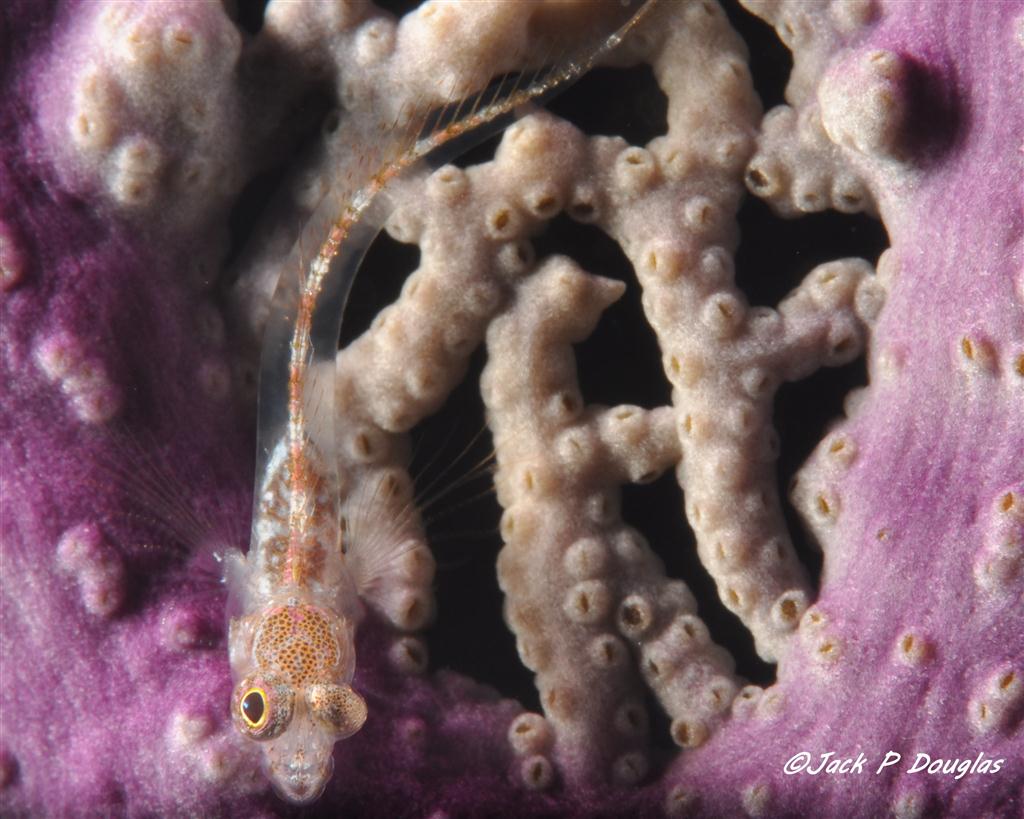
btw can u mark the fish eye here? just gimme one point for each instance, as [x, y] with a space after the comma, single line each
[262, 706]
[253, 708]
[338, 708]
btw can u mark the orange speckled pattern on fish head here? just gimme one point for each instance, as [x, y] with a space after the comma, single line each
[299, 643]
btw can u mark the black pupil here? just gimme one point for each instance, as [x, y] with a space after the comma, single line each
[252, 706]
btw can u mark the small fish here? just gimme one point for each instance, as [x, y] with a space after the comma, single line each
[294, 599]
[292, 646]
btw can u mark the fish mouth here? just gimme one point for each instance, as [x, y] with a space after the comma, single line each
[301, 784]
[299, 762]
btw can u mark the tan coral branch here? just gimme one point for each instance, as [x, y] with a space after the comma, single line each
[582, 586]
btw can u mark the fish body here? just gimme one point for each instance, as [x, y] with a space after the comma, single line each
[292, 641]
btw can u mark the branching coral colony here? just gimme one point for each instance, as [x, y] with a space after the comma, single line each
[130, 130]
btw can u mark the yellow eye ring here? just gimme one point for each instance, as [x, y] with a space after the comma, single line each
[253, 708]
[262, 706]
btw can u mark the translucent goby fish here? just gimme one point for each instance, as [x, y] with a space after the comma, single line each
[294, 599]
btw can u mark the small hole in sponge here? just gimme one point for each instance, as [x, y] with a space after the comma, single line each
[757, 179]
